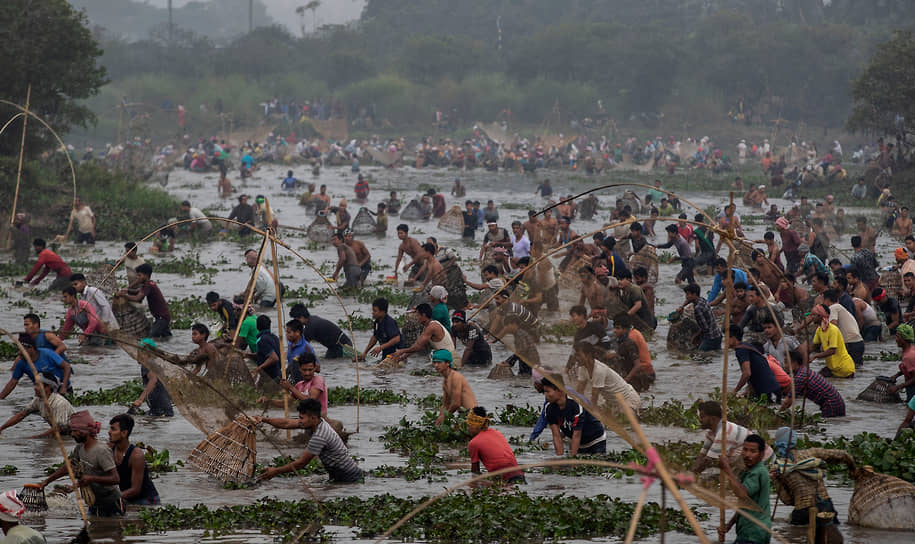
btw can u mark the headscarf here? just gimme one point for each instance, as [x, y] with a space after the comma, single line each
[901, 254]
[878, 294]
[821, 312]
[906, 332]
[781, 222]
[474, 420]
[444, 356]
[82, 421]
[11, 508]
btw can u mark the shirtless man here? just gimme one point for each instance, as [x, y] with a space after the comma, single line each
[363, 256]
[408, 246]
[594, 293]
[768, 272]
[456, 392]
[434, 335]
[549, 228]
[902, 227]
[532, 227]
[346, 259]
[867, 233]
[564, 209]
[323, 197]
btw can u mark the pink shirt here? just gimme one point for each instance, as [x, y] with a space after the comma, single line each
[317, 382]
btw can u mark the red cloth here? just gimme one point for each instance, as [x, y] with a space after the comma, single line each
[94, 326]
[50, 261]
[491, 448]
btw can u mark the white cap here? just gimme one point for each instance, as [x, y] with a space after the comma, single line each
[438, 292]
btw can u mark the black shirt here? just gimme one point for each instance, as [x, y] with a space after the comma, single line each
[761, 378]
[384, 331]
[322, 331]
[268, 343]
[243, 213]
[574, 418]
[470, 224]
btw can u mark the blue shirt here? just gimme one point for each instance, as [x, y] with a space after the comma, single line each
[248, 160]
[48, 361]
[289, 183]
[293, 351]
[739, 276]
[541, 422]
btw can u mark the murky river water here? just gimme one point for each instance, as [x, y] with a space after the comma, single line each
[108, 367]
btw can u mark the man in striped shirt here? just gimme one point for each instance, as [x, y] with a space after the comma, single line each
[60, 407]
[325, 444]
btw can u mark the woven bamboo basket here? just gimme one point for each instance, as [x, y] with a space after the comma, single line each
[413, 211]
[230, 453]
[320, 230]
[648, 258]
[878, 391]
[132, 320]
[891, 280]
[452, 221]
[32, 497]
[363, 223]
[882, 502]
[501, 371]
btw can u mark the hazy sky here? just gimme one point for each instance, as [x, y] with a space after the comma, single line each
[283, 11]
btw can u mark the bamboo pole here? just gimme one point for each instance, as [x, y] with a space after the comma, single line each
[661, 468]
[279, 311]
[722, 487]
[634, 522]
[252, 283]
[25, 124]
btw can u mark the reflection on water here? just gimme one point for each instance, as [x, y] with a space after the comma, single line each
[678, 379]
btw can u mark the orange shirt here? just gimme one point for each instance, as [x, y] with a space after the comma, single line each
[644, 354]
[491, 448]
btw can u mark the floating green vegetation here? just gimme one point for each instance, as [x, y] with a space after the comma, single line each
[410, 472]
[347, 395]
[884, 356]
[887, 456]
[8, 470]
[8, 351]
[486, 515]
[395, 297]
[309, 294]
[189, 310]
[521, 416]
[159, 460]
[13, 269]
[750, 413]
[360, 323]
[188, 265]
[556, 331]
[421, 372]
[120, 394]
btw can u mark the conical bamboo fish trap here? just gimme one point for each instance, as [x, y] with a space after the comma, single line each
[363, 223]
[320, 230]
[646, 257]
[414, 211]
[878, 391]
[230, 453]
[882, 502]
[131, 319]
[452, 221]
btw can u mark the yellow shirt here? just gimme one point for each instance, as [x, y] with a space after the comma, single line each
[840, 363]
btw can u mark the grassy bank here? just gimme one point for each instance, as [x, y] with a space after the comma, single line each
[125, 207]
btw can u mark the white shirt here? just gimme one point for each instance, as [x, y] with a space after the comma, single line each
[846, 322]
[778, 351]
[96, 298]
[195, 213]
[605, 380]
[521, 248]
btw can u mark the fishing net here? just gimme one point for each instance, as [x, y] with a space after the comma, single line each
[413, 211]
[320, 230]
[208, 400]
[452, 221]
[363, 223]
[384, 158]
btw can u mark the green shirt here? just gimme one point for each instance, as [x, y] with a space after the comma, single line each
[248, 331]
[440, 314]
[756, 480]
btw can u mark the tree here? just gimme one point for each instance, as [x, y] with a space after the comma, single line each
[886, 87]
[48, 45]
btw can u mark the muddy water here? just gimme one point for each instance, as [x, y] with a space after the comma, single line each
[107, 367]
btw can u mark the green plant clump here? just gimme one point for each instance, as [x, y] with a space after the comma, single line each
[521, 416]
[8, 351]
[395, 297]
[347, 395]
[750, 413]
[485, 516]
[121, 394]
[8, 470]
[887, 456]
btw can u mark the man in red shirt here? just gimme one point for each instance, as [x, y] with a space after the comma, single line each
[48, 261]
[82, 314]
[490, 447]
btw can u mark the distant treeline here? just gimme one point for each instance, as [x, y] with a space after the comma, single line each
[691, 60]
